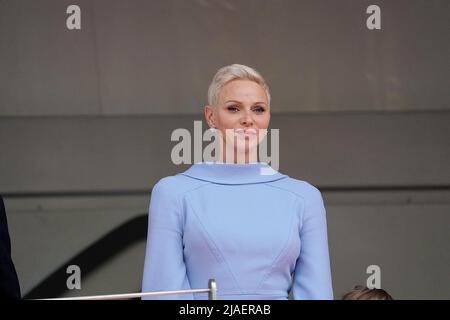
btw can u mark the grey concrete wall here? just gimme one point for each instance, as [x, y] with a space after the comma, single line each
[131, 153]
[157, 57]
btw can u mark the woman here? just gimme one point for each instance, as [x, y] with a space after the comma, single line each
[259, 235]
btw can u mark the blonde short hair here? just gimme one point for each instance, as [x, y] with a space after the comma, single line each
[234, 72]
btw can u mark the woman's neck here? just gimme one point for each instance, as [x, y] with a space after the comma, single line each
[249, 156]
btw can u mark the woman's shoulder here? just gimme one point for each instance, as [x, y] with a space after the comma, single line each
[299, 187]
[175, 185]
[307, 193]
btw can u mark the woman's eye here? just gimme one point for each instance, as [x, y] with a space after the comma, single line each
[259, 109]
[232, 108]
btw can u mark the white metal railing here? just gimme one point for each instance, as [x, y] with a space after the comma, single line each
[212, 294]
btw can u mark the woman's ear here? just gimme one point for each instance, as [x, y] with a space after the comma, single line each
[209, 116]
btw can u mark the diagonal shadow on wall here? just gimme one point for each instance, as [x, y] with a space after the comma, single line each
[93, 257]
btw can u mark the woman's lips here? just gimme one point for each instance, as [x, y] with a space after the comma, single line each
[245, 132]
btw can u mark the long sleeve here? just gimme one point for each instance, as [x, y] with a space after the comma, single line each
[164, 267]
[312, 275]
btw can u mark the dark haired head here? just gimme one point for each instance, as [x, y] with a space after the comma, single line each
[364, 293]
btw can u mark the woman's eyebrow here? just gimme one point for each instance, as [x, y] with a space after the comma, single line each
[233, 101]
[259, 102]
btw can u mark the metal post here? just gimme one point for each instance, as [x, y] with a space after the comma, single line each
[212, 294]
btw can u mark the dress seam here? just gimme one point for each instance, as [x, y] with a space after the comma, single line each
[281, 254]
[179, 198]
[217, 248]
[302, 216]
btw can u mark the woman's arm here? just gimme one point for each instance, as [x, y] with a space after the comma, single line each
[164, 267]
[312, 276]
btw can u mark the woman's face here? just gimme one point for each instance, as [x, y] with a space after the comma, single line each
[242, 106]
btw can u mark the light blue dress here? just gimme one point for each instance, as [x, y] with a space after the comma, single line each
[257, 232]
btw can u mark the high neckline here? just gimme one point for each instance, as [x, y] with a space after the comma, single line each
[233, 173]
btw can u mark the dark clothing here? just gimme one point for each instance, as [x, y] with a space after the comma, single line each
[9, 283]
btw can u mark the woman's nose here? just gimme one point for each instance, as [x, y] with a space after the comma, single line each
[247, 120]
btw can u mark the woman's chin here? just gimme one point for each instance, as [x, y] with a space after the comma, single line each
[247, 151]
